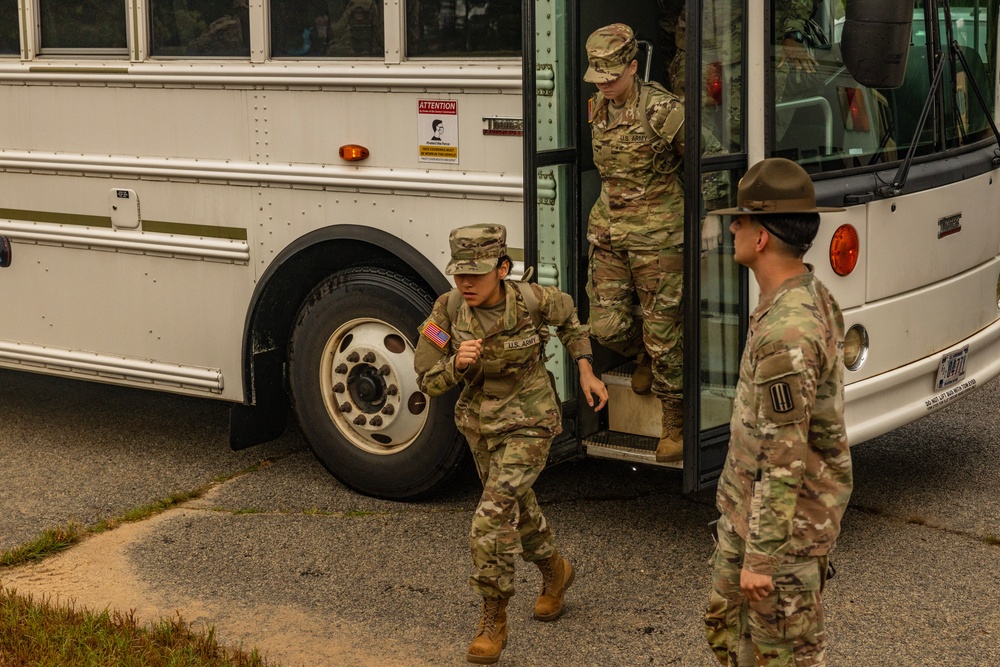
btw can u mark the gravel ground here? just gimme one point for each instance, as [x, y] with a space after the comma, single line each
[286, 558]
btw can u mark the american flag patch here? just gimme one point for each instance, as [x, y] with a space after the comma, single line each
[436, 334]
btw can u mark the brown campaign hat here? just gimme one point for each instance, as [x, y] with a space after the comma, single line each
[775, 185]
[476, 248]
[609, 51]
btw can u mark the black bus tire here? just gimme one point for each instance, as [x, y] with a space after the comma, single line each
[354, 388]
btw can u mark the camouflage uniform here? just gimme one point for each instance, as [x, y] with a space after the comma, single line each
[636, 227]
[509, 413]
[786, 481]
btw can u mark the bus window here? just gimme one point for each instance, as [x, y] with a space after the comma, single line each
[825, 120]
[347, 29]
[87, 27]
[9, 38]
[206, 28]
[722, 62]
[476, 28]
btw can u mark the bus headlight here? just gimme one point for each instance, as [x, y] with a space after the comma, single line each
[844, 250]
[855, 347]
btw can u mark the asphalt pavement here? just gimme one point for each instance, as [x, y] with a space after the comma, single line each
[280, 555]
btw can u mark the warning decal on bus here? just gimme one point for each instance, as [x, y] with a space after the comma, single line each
[437, 131]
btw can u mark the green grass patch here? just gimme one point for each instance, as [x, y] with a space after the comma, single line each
[39, 634]
[53, 540]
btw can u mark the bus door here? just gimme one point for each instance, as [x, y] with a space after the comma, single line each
[716, 319]
[562, 184]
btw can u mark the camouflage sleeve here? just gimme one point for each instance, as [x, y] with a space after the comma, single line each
[434, 359]
[785, 379]
[559, 311]
[791, 15]
[666, 117]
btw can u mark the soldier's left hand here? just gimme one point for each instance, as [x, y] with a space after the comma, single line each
[592, 388]
[755, 586]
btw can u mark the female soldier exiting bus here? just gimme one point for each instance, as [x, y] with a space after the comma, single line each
[489, 333]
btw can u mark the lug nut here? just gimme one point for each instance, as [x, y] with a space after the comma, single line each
[341, 369]
[345, 407]
[385, 370]
[339, 388]
[388, 410]
[376, 421]
[360, 420]
[370, 358]
[353, 357]
[392, 390]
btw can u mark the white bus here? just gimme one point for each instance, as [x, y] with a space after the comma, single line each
[250, 201]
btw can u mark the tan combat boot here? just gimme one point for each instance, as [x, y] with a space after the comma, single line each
[642, 376]
[671, 445]
[557, 575]
[491, 638]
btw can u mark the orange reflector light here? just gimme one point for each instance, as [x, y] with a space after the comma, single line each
[353, 152]
[844, 250]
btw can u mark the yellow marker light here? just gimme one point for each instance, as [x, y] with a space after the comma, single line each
[353, 152]
[844, 250]
[855, 347]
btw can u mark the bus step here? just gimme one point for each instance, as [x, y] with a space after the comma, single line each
[625, 447]
[628, 412]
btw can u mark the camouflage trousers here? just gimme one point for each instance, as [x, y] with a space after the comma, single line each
[783, 630]
[657, 278]
[508, 520]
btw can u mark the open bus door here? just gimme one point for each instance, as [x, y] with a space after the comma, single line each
[561, 184]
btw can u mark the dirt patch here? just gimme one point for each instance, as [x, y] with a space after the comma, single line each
[97, 575]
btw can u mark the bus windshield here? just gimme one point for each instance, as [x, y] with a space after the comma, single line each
[825, 120]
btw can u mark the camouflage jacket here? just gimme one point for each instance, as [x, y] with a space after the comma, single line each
[787, 477]
[508, 389]
[639, 208]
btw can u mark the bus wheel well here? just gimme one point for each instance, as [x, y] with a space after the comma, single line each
[285, 291]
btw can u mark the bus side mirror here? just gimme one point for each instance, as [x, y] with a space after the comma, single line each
[876, 41]
[5, 255]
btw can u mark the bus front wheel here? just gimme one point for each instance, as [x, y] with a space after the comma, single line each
[355, 391]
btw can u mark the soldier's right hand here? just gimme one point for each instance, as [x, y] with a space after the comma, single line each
[468, 353]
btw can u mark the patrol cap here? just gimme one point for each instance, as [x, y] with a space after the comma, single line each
[476, 249]
[609, 51]
[775, 185]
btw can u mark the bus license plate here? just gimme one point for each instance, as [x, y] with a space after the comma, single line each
[952, 369]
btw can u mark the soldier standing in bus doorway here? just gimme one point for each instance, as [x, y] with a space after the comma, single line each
[488, 334]
[787, 477]
[636, 227]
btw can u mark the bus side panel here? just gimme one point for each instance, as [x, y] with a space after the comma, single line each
[388, 124]
[130, 121]
[173, 297]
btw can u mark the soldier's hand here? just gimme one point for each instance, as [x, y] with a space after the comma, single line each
[711, 233]
[797, 55]
[592, 387]
[468, 353]
[755, 586]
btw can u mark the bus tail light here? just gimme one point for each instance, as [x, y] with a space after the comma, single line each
[855, 347]
[353, 152]
[713, 85]
[844, 250]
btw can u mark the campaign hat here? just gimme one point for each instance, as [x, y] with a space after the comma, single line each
[609, 51]
[476, 249]
[774, 186]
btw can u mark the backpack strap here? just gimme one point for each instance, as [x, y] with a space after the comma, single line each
[531, 302]
[454, 301]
